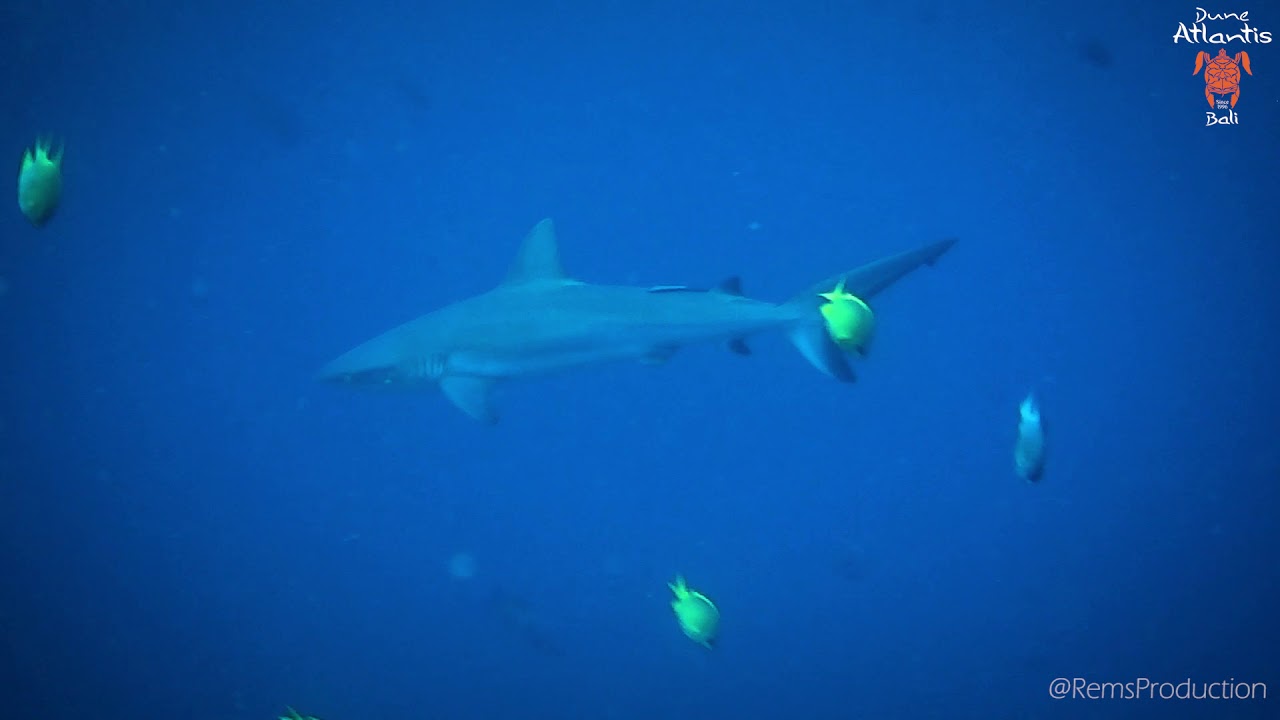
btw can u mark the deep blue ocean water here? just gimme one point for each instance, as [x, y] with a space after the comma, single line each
[191, 527]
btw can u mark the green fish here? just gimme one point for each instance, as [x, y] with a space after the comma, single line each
[40, 182]
[697, 615]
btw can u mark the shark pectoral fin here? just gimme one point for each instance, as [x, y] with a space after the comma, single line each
[815, 344]
[471, 395]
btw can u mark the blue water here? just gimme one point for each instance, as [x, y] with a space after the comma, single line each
[191, 527]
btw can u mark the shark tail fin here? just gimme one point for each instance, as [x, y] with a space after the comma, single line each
[811, 338]
[833, 315]
[814, 334]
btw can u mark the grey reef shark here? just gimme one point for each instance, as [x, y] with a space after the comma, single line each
[540, 320]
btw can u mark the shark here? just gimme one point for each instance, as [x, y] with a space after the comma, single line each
[540, 320]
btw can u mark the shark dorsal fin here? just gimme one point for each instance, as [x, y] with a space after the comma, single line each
[539, 257]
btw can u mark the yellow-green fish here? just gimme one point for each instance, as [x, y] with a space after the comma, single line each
[697, 615]
[849, 321]
[40, 182]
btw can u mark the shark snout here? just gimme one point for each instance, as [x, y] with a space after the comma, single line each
[373, 363]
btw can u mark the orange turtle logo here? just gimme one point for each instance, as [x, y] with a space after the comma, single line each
[1222, 74]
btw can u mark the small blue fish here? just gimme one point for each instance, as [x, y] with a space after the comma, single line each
[1029, 454]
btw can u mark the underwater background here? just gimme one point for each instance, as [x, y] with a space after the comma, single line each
[191, 526]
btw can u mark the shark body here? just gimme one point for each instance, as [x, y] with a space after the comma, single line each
[540, 320]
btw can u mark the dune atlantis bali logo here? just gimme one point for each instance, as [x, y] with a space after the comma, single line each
[1224, 71]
